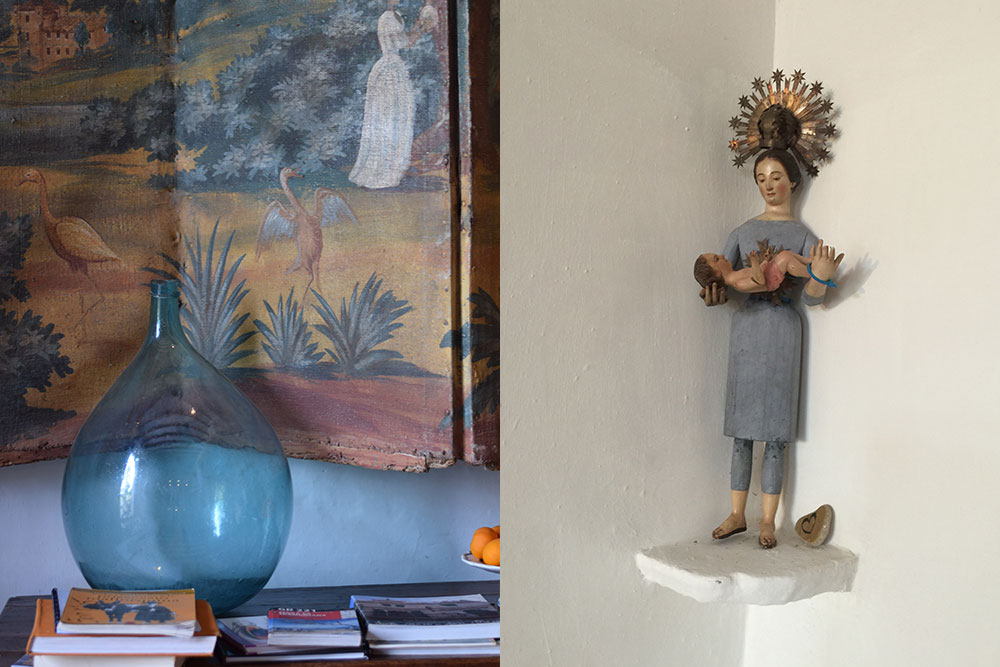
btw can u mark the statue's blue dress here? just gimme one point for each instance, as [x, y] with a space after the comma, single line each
[765, 343]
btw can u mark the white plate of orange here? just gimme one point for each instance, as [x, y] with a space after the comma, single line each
[484, 549]
[469, 559]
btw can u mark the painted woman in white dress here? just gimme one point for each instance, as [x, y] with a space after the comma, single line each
[387, 129]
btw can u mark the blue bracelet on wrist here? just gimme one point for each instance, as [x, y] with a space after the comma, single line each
[828, 283]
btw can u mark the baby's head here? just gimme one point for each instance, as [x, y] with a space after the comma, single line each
[707, 269]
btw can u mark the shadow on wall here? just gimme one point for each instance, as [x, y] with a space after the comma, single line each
[851, 282]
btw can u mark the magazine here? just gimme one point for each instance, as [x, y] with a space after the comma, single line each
[444, 648]
[429, 618]
[310, 627]
[245, 640]
[233, 656]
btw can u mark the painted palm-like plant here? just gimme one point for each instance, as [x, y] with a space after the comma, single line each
[364, 323]
[210, 300]
[287, 337]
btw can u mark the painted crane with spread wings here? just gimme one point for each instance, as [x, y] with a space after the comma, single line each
[282, 223]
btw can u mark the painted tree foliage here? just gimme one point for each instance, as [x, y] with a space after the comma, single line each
[29, 348]
[297, 98]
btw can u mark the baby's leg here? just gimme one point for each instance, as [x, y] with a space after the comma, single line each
[793, 263]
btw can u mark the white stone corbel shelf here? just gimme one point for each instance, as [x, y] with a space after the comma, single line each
[738, 570]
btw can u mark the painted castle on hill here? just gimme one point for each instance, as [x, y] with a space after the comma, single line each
[47, 32]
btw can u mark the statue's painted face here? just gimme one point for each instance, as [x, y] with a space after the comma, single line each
[773, 182]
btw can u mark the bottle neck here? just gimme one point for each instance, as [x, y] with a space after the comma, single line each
[164, 319]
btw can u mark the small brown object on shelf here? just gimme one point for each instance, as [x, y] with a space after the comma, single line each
[814, 528]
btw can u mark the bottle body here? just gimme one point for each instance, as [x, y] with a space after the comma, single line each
[176, 480]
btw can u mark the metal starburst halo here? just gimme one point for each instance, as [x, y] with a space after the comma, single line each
[797, 108]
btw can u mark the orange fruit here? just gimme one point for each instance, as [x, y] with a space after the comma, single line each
[496, 529]
[486, 530]
[491, 552]
[480, 538]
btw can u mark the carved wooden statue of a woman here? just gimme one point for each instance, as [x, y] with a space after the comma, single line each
[765, 354]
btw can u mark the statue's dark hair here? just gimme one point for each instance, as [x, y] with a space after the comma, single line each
[705, 274]
[787, 161]
[778, 127]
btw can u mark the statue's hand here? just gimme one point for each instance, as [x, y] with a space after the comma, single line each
[825, 260]
[713, 295]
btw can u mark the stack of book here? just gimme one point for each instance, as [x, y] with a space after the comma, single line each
[456, 625]
[121, 629]
[292, 634]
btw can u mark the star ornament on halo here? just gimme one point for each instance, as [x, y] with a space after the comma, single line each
[795, 118]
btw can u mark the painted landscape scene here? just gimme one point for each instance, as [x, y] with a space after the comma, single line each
[291, 164]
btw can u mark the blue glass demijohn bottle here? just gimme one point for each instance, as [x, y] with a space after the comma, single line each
[176, 480]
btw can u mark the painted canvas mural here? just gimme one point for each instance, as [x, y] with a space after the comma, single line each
[297, 166]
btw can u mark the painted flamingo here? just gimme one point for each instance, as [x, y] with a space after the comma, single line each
[72, 238]
[281, 223]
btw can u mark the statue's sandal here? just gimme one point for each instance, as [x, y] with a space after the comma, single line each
[734, 531]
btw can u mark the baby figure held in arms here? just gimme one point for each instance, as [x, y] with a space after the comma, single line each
[766, 272]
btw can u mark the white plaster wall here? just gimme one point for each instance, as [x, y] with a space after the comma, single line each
[615, 177]
[903, 373]
[349, 526]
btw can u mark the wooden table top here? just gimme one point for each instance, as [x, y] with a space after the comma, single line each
[18, 617]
